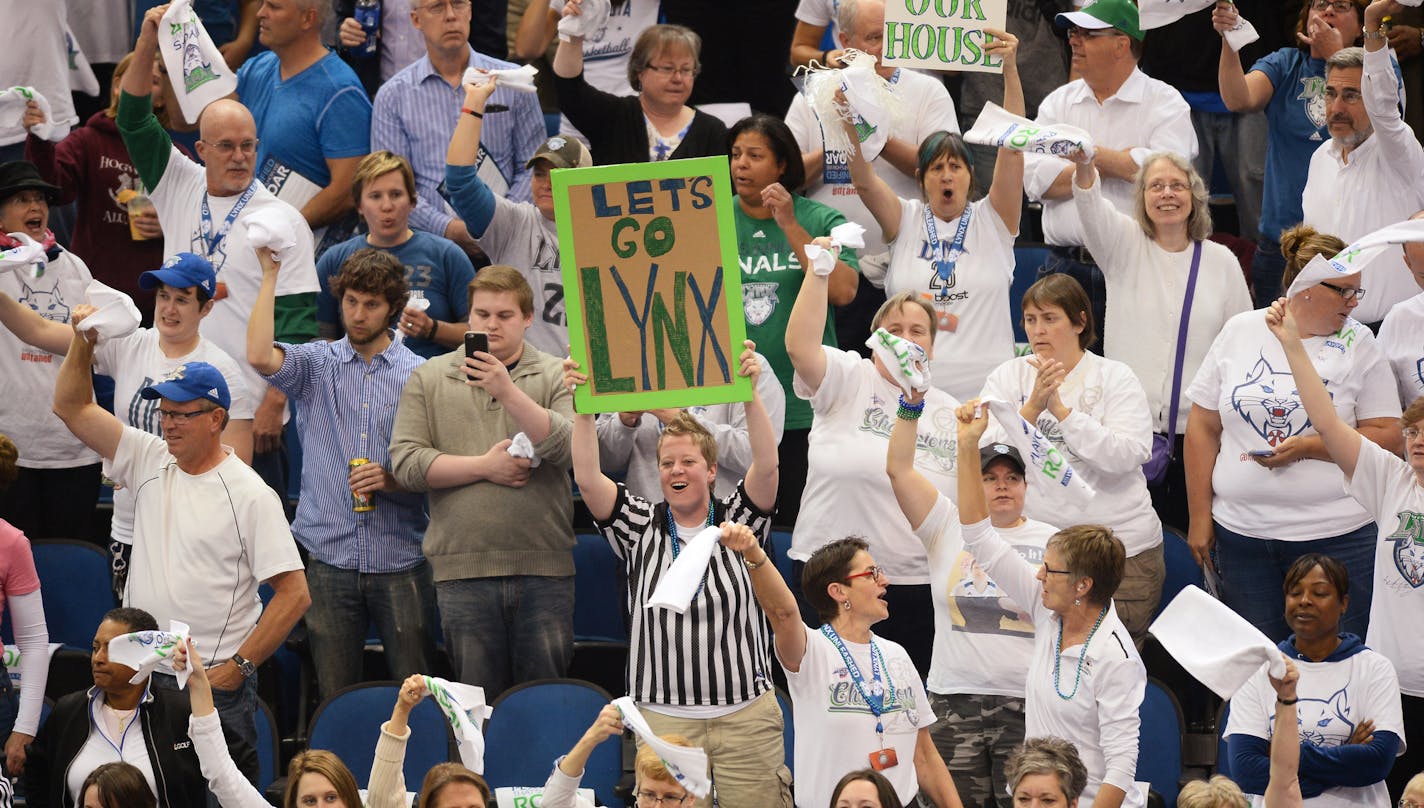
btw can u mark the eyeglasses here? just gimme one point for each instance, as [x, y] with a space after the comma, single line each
[1337, 7]
[175, 415]
[1047, 570]
[1082, 33]
[27, 198]
[667, 71]
[1345, 292]
[651, 799]
[1174, 187]
[441, 9]
[1404, 803]
[1412, 433]
[874, 573]
[228, 147]
[1349, 95]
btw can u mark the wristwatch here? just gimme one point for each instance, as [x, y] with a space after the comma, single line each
[244, 666]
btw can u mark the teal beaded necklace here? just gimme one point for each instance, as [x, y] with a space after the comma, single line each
[1058, 657]
[677, 542]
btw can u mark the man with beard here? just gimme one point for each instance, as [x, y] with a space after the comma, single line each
[1367, 175]
[364, 562]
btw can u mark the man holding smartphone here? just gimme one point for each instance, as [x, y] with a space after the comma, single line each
[501, 539]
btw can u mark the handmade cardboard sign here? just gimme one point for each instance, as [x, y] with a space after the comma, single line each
[654, 295]
[943, 34]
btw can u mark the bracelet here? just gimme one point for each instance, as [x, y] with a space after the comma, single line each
[825, 54]
[434, 327]
[754, 566]
[1380, 34]
[909, 412]
[1286, 702]
[468, 111]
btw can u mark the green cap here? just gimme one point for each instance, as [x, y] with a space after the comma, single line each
[1119, 14]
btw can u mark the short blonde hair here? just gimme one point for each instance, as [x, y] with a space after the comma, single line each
[1092, 551]
[900, 301]
[684, 424]
[1218, 792]
[648, 766]
[378, 164]
[500, 278]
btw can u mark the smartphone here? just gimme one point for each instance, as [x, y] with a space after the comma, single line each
[476, 341]
[1261, 452]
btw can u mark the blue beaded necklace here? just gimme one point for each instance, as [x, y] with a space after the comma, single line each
[1058, 657]
[677, 542]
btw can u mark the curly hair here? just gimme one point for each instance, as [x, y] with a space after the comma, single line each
[373, 272]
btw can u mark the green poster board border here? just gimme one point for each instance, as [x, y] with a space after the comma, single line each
[715, 167]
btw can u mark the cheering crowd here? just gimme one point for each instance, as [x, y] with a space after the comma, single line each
[358, 249]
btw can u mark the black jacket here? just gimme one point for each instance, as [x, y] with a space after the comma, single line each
[617, 132]
[163, 717]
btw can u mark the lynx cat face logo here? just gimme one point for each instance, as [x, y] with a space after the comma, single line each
[1325, 722]
[1268, 402]
[759, 301]
[1409, 547]
[47, 304]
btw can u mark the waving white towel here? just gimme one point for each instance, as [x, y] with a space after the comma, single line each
[1357, 256]
[149, 651]
[12, 111]
[591, 19]
[464, 707]
[846, 234]
[1216, 645]
[29, 255]
[521, 446]
[1002, 129]
[269, 227]
[1157, 13]
[518, 78]
[117, 315]
[682, 580]
[871, 104]
[905, 360]
[196, 66]
[1040, 456]
[687, 764]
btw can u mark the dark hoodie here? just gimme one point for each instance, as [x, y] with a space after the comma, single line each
[1321, 767]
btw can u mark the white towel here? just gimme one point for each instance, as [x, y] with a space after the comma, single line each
[590, 21]
[905, 360]
[687, 764]
[1216, 645]
[12, 662]
[12, 112]
[521, 446]
[117, 315]
[269, 227]
[682, 580]
[29, 255]
[1000, 128]
[149, 651]
[1157, 13]
[196, 66]
[1356, 257]
[1040, 456]
[871, 104]
[464, 707]
[518, 78]
[846, 234]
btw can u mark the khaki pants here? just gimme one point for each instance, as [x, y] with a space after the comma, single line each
[1141, 589]
[744, 751]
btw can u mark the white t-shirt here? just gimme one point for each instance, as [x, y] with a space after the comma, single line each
[179, 200]
[605, 53]
[518, 235]
[135, 362]
[1101, 718]
[1107, 437]
[1402, 340]
[37, 55]
[928, 109]
[822, 14]
[847, 492]
[830, 708]
[1246, 379]
[202, 543]
[1146, 288]
[976, 331]
[1389, 490]
[1334, 697]
[983, 640]
[29, 374]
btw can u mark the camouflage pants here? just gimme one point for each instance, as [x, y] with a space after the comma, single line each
[975, 735]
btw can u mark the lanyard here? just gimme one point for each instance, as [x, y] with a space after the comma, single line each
[211, 240]
[946, 257]
[877, 694]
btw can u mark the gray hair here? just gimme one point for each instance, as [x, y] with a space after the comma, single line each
[1346, 57]
[1199, 223]
[846, 15]
[656, 40]
[323, 9]
[1048, 755]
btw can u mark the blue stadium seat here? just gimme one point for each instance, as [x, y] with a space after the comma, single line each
[1159, 740]
[781, 547]
[535, 723]
[598, 603]
[349, 724]
[75, 588]
[1182, 567]
[783, 700]
[268, 746]
[1027, 260]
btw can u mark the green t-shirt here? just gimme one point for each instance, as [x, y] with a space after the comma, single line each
[771, 278]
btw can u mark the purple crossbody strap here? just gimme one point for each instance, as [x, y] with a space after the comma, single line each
[1182, 348]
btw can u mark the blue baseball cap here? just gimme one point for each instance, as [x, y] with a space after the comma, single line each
[191, 382]
[182, 271]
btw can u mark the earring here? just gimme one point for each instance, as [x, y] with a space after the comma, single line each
[1307, 298]
[845, 604]
[1077, 601]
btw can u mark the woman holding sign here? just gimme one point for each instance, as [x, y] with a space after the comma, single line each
[1095, 412]
[952, 250]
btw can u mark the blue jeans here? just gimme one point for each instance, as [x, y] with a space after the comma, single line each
[504, 631]
[1091, 279]
[1253, 573]
[344, 602]
[1267, 268]
[1238, 140]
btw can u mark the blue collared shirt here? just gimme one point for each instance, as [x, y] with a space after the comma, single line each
[415, 115]
[345, 409]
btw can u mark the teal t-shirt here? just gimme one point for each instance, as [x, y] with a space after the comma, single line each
[771, 278]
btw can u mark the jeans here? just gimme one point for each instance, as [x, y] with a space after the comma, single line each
[504, 631]
[1267, 268]
[1239, 141]
[1091, 279]
[344, 602]
[1253, 573]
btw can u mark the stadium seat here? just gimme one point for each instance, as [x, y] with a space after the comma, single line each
[783, 699]
[535, 723]
[781, 547]
[1159, 740]
[1182, 567]
[268, 746]
[349, 724]
[75, 588]
[598, 603]
[1027, 260]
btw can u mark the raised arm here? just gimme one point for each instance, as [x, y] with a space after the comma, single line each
[265, 357]
[772, 594]
[74, 400]
[1341, 440]
[387, 783]
[807, 322]
[1006, 189]
[806, 46]
[764, 474]
[472, 200]
[915, 493]
[1241, 91]
[225, 780]
[1283, 790]
[147, 142]
[568, 57]
[599, 492]
[874, 192]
